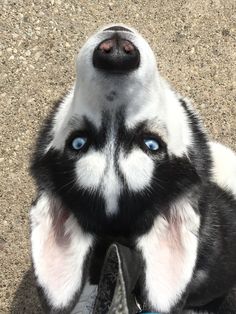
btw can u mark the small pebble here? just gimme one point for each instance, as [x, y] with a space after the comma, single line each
[37, 56]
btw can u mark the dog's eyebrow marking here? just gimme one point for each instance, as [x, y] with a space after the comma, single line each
[76, 123]
[99, 135]
[157, 126]
[154, 126]
[82, 122]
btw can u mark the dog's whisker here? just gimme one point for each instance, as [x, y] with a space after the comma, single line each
[72, 182]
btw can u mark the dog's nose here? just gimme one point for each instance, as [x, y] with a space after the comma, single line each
[117, 55]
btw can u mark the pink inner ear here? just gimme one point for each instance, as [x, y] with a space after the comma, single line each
[56, 249]
[59, 249]
[58, 223]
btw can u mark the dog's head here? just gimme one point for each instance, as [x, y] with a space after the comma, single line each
[121, 151]
[119, 148]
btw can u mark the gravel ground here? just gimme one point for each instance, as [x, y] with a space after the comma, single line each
[195, 44]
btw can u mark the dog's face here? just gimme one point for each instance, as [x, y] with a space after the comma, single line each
[117, 146]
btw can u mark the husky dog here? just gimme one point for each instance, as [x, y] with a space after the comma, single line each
[124, 158]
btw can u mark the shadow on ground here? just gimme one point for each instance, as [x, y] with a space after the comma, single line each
[26, 297]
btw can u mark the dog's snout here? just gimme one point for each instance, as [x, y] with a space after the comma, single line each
[116, 54]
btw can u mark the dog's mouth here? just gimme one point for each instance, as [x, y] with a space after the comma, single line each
[116, 54]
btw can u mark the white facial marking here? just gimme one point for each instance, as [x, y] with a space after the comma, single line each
[224, 167]
[96, 171]
[137, 169]
[169, 250]
[59, 249]
[111, 188]
[90, 170]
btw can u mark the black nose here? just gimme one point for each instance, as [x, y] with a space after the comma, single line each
[117, 55]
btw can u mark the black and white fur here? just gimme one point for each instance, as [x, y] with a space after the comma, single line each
[176, 206]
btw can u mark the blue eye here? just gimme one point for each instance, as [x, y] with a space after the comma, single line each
[78, 142]
[151, 144]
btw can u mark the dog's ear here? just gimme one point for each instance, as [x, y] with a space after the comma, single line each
[169, 252]
[59, 250]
